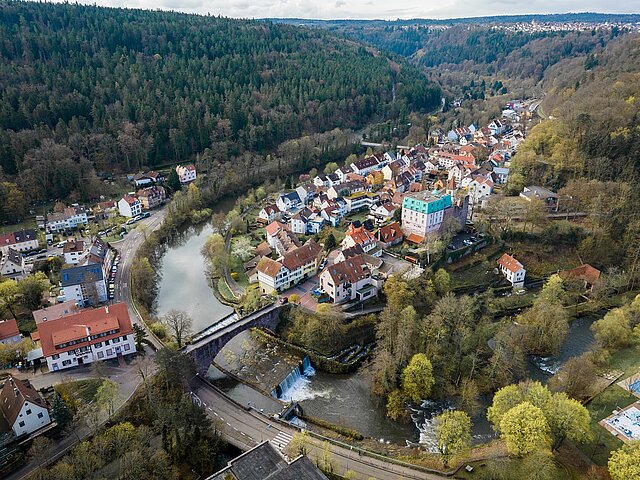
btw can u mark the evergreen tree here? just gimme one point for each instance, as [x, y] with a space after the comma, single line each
[59, 411]
[173, 182]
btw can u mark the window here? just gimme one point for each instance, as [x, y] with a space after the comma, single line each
[116, 340]
[109, 351]
[28, 412]
[40, 415]
[55, 357]
[21, 424]
[124, 337]
[100, 355]
[126, 347]
[66, 362]
[98, 345]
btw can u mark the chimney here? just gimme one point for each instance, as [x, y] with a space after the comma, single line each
[15, 390]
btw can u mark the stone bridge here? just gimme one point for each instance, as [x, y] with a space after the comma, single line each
[208, 343]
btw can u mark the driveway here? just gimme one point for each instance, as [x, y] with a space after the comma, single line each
[303, 290]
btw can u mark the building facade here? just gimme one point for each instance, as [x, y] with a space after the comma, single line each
[424, 212]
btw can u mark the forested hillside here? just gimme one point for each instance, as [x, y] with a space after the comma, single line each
[84, 88]
[589, 147]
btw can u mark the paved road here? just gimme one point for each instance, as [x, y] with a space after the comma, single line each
[246, 429]
[128, 248]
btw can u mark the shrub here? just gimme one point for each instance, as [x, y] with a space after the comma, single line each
[158, 329]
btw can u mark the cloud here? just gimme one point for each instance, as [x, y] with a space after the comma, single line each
[369, 9]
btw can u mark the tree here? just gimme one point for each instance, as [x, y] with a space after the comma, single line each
[173, 181]
[179, 323]
[524, 429]
[576, 378]
[330, 168]
[214, 251]
[140, 337]
[613, 331]
[453, 433]
[417, 378]
[442, 281]
[32, 289]
[330, 243]
[624, 463]
[504, 400]
[350, 159]
[9, 295]
[299, 444]
[396, 407]
[242, 248]
[144, 282]
[59, 411]
[567, 418]
[106, 396]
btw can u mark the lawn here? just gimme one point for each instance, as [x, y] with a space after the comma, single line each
[542, 260]
[225, 292]
[81, 391]
[26, 223]
[484, 469]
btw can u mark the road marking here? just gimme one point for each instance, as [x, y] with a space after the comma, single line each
[281, 440]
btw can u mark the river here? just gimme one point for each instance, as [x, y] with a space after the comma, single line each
[340, 399]
[184, 282]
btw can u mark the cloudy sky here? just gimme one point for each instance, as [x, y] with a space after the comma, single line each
[384, 9]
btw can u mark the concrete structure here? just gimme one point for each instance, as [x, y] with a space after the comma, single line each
[210, 342]
[87, 336]
[512, 269]
[424, 212]
[23, 407]
[186, 173]
[129, 206]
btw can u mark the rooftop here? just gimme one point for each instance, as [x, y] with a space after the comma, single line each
[13, 395]
[8, 328]
[510, 263]
[55, 311]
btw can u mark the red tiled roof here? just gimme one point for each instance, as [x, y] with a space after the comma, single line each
[584, 272]
[273, 227]
[55, 311]
[8, 329]
[74, 327]
[510, 263]
[390, 233]
[301, 255]
[268, 266]
[414, 238]
[359, 235]
[350, 270]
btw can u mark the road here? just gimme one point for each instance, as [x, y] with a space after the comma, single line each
[127, 249]
[248, 428]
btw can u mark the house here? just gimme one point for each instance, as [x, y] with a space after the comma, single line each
[343, 172]
[389, 235]
[424, 212]
[496, 127]
[73, 251]
[306, 192]
[23, 407]
[129, 206]
[84, 284]
[480, 188]
[290, 269]
[349, 280]
[348, 252]
[264, 462]
[288, 201]
[21, 241]
[9, 332]
[99, 253]
[500, 175]
[11, 264]
[269, 213]
[186, 173]
[361, 201]
[57, 310]
[366, 165]
[70, 218]
[87, 336]
[346, 189]
[512, 269]
[147, 178]
[549, 198]
[588, 275]
[272, 230]
[104, 210]
[151, 197]
[384, 211]
[356, 234]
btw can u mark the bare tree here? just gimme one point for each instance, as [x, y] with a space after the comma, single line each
[179, 323]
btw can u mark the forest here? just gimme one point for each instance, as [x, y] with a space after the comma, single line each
[88, 90]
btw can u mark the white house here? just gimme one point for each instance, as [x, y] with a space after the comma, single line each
[480, 188]
[21, 241]
[73, 251]
[70, 217]
[423, 213]
[12, 264]
[288, 201]
[500, 175]
[349, 280]
[358, 235]
[306, 192]
[366, 165]
[84, 284]
[269, 213]
[512, 269]
[23, 407]
[129, 206]
[186, 173]
[290, 269]
[87, 336]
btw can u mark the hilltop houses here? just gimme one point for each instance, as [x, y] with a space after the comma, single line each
[186, 173]
[129, 206]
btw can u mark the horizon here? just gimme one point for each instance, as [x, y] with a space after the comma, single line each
[341, 10]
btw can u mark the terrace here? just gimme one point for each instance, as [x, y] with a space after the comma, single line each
[625, 423]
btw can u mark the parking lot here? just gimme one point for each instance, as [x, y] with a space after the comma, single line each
[462, 240]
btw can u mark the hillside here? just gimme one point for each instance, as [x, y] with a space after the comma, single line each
[84, 88]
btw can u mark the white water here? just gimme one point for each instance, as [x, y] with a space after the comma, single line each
[302, 388]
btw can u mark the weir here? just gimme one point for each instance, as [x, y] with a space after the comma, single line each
[291, 379]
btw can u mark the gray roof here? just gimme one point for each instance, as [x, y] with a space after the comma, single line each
[25, 235]
[265, 463]
[293, 196]
[13, 256]
[76, 275]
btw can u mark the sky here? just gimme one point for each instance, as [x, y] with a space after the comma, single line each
[375, 9]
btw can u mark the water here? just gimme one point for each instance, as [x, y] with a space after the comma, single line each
[579, 340]
[291, 381]
[184, 283]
